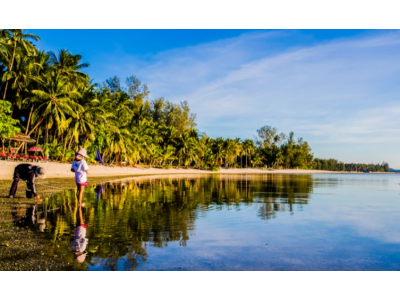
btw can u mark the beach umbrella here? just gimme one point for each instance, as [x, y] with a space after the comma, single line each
[35, 149]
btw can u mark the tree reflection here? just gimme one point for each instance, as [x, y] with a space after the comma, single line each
[281, 193]
[124, 218]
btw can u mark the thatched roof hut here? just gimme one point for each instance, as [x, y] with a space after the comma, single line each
[20, 137]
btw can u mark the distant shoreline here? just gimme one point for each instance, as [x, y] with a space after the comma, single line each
[62, 170]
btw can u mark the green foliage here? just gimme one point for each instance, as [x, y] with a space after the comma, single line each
[335, 165]
[214, 168]
[281, 150]
[8, 126]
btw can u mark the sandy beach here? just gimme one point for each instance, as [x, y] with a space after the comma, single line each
[61, 170]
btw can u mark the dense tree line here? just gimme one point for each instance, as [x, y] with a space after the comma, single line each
[53, 100]
[335, 165]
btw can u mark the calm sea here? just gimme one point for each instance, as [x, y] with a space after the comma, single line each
[228, 222]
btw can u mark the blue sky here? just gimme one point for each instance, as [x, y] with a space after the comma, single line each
[338, 89]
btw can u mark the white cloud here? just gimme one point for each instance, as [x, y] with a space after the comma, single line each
[338, 95]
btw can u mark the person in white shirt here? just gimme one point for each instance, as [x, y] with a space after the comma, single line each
[80, 168]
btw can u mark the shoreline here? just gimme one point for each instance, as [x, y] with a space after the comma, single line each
[62, 170]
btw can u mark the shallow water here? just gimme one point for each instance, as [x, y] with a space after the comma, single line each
[227, 222]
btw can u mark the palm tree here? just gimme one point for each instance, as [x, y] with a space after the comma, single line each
[238, 149]
[141, 138]
[69, 66]
[17, 37]
[218, 150]
[257, 160]
[188, 149]
[118, 141]
[24, 72]
[278, 160]
[231, 151]
[154, 154]
[170, 135]
[41, 67]
[140, 114]
[208, 158]
[168, 154]
[54, 101]
[84, 122]
[122, 106]
[248, 147]
[192, 153]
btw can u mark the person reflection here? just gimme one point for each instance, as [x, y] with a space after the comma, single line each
[29, 217]
[79, 240]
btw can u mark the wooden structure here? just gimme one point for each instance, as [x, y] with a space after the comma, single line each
[19, 137]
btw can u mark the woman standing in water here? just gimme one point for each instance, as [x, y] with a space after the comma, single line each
[80, 168]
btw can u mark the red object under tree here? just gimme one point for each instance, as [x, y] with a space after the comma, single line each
[35, 149]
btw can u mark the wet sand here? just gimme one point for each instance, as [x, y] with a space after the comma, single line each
[21, 248]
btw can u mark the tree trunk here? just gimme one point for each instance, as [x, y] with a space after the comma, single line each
[12, 62]
[37, 124]
[46, 134]
[19, 148]
[5, 90]
[29, 120]
[12, 108]
[38, 132]
[65, 143]
[70, 141]
[103, 158]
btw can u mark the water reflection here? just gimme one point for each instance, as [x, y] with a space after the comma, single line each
[122, 219]
[79, 240]
[29, 217]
